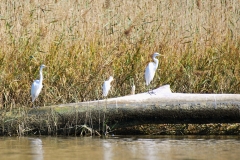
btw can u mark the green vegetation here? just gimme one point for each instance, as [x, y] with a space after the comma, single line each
[83, 42]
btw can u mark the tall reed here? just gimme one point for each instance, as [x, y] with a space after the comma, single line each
[83, 42]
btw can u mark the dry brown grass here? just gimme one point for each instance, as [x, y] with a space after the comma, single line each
[83, 42]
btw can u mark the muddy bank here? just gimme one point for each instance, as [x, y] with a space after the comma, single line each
[182, 129]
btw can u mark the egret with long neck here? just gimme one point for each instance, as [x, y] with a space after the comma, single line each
[37, 85]
[151, 69]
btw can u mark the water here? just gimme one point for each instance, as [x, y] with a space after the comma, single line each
[121, 147]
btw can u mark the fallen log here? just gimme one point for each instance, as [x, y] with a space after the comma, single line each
[161, 107]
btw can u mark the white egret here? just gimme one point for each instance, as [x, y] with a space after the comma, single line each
[151, 69]
[106, 86]
[133, 89]
[37, 85]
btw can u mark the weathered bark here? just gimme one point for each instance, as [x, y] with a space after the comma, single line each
[160, 107]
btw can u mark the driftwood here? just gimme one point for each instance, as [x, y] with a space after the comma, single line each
[161, 107]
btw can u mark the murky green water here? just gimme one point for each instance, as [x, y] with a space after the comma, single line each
[118, 147]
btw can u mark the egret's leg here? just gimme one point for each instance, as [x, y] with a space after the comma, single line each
[153, 92]
[33, 106]
[150, 90]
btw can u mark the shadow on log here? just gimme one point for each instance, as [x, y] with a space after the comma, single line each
[162, 107]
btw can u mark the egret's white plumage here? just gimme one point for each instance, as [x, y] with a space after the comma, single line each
[106, 86]
[151, 69]
[37, 85]
[133, 89]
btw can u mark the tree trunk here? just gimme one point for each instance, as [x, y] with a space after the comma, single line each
[158, 108]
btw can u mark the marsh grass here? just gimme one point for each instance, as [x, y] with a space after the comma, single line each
[83, 42]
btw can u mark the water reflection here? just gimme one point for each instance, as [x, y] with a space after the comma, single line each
[36, 148]
[118, 147]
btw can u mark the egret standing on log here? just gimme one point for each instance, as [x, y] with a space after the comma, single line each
[106, 86]
[37, 85]
[151, 69]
